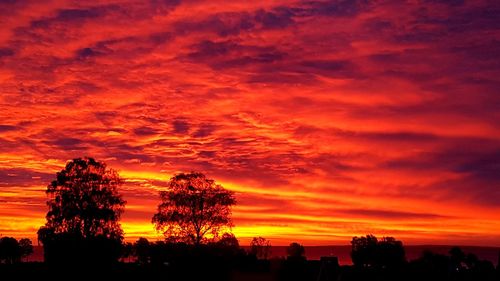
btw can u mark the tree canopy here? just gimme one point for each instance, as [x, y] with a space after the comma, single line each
[10, 251]
[194, 209]
[84, 209]
[295, 251]
[368, 251]
[84, 200]
[26, 247]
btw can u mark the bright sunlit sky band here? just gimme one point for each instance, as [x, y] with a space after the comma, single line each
[327, 118]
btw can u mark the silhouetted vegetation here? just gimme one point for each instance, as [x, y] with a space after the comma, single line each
[295, 267]
[296, 252]
[384, 259]
[369, 252]
[455, 266]
[260, 247]
[26, 247]
[12, 251]
[226, 260]
[142, 250]
[84, 209]
[82, 230]
[193, 208]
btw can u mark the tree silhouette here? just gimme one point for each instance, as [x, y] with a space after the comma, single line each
[391, 253]
[364, 250]
[10, 252]
[296, 251]
[295, 265]
[260, 247]
[368, 251]
[228, 240]
[193, 209]
[25, 247]
[84, 210]
[142, 250]
[127, 251]
[457, 258]
[228, 245]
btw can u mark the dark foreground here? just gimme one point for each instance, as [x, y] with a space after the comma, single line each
[249, 270]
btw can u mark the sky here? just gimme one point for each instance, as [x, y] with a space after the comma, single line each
[327, 118]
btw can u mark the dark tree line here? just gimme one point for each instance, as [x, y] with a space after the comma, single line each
[82, 229]
[384, 259]
[13, 251]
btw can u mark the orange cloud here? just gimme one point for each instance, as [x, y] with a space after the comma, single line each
[327, 118]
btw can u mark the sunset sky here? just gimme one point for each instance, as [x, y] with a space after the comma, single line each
[328, 118]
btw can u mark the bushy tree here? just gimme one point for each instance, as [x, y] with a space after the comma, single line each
[364, 250]
[193, 209]
[368, 251]
[391, 253]
[10, 252]
[229, 240]
[84, 212]
[228, 245]
[295, 251]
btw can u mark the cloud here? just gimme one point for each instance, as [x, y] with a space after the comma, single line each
[279, 18]
[72, 16]
[6, 52]
[6, 128]
[335, 8]
[483, 166]
[145, 131]
[222, 24]
[68, 143]
[228, 54]
[180, 126]
[317, 113]
[392, 214]
[13, 177]
[205, 130]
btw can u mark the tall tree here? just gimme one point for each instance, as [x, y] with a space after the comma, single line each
[84, 208]
[193, 209]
